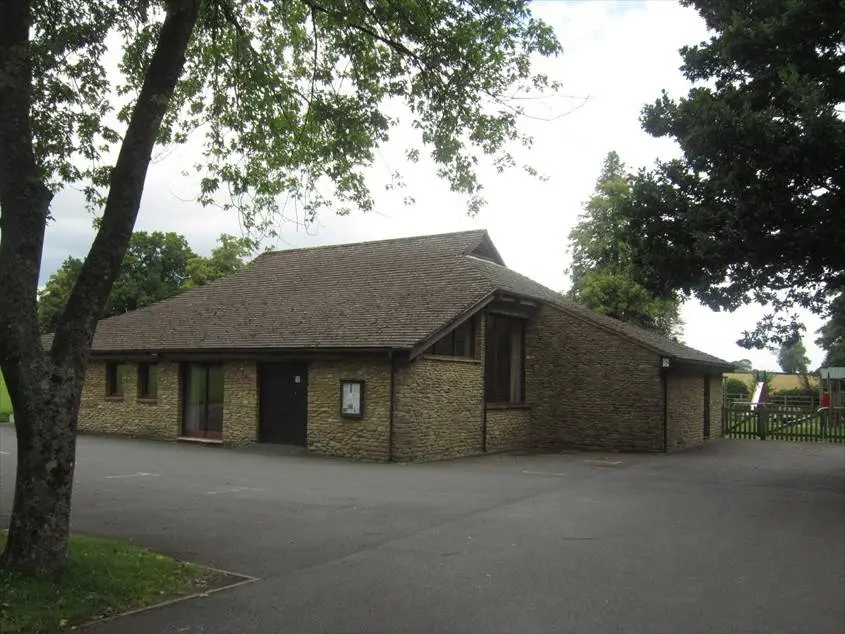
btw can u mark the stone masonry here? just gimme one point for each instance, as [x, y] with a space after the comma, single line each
[162, 417]
[439, 409]
[508, 429]
[716, 403]
[240, 403]
[328, 432]
[130, 415]
[685, 410]
[586, 387]
[591, 388]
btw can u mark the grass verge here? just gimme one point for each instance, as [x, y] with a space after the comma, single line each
[5, 401]
[102, 578]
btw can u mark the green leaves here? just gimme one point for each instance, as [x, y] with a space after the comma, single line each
[601, 272]
[750, 212]
[832, 334]
[156, 266]
[792, 357]
[224, 260]
[288, 98]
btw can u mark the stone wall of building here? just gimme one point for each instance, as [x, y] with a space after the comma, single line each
[439, 409]
[589, 387]
[439, 405]
[685, 412]
[329, 433]
[240, 403]
[130, 415]
[716, 402]
[508, 429]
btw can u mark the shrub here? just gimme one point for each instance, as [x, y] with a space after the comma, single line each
[796, 391]
[736, 387]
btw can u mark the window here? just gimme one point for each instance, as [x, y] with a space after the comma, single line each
[147, 380]
[459, 342]
[115, 379]
[202, 412]
[505, 359]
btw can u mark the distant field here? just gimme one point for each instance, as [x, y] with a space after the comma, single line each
[5, 403]
[778, 381]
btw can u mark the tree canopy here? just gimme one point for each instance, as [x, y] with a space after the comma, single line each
[832, 335]
[156, 266]
[225, 259]
[743, 365]
[601, 272]
[289, 102]
[751, 211]
[793, 358]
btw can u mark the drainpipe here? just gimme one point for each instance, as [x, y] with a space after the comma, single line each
[484, 425]
[665, 379]
[392, 407]
[481, 345]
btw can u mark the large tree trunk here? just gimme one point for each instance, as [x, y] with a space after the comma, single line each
[46, 386]
[45, 420]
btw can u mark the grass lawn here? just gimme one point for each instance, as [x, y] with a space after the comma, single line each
[103, 577]
[5, 402]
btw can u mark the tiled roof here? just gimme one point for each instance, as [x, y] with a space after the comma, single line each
[383, 294]
[510, 281]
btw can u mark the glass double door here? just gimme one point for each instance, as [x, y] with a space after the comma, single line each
[202, 401]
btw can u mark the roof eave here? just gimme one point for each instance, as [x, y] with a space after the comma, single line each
[424, 344]
[246, 353]
[715, 364]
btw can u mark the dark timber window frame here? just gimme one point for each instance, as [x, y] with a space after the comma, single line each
[204, 422]
[147, 381]
[458, 342]
[503, 384]
[115, 379]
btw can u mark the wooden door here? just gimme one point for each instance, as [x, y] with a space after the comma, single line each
[283, 403]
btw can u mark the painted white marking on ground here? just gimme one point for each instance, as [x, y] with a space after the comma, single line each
[138, 474]
[233, 490]
[545, 473]
[4, 453]
[603, 462]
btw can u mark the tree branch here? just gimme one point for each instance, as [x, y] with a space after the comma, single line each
[78, 322]
[399, 47]
[24, 197]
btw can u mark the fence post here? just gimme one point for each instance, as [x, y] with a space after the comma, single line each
[762, 421]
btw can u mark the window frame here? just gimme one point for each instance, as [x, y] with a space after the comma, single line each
[144, 371]
[202, 431]
[115, 370]
[450, 341]
[493, 371]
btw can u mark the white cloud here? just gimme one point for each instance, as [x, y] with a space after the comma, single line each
[621, 54]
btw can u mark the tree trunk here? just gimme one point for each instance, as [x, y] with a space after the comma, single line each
[46, 387]
[45, 420]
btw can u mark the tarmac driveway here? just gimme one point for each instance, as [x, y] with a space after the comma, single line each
[740, 536]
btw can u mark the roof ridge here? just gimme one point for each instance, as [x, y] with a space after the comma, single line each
[339, 245]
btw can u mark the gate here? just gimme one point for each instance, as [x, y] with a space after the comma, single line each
[783, 422]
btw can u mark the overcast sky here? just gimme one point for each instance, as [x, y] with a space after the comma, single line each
[618, 54]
